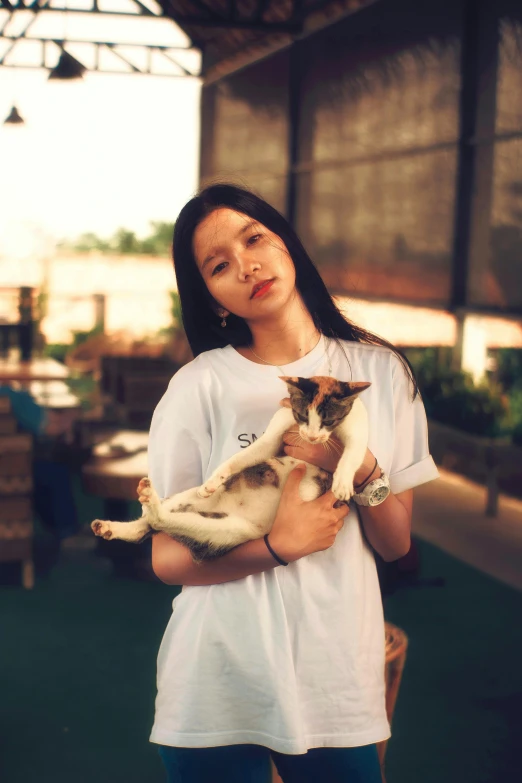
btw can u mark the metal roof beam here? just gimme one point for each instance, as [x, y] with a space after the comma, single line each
[238, 24]
[212, 13]
[68, 40]
[37, 5]
[164, 51]
[22, 33]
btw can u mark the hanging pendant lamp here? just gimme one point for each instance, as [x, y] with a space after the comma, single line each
[67, 68]
[14, 117]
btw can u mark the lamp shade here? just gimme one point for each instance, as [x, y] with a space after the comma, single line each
[14, 117]
[67, 67]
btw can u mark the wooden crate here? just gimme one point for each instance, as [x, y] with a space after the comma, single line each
[7, 423]
[16, 454]
[16, 483]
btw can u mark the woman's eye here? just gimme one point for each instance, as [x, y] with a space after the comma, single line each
[253, 239]
[218, 268]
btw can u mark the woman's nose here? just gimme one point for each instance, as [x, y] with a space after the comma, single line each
[247, 266]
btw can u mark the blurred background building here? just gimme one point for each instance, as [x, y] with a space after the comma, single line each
[390, 135]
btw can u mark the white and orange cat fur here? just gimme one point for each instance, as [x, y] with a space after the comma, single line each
[239, 501]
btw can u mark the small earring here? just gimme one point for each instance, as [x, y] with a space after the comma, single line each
[223, 322]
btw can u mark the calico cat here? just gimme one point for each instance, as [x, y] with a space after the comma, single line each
[239, 501]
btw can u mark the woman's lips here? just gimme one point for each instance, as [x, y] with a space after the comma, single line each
[264, 288]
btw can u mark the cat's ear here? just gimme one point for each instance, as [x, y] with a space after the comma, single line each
[302, 385]
[353, 388]
[289, 381]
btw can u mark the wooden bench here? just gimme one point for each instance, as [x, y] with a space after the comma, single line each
[132, 386]
[492, 461]
[118, 463]
[113, 472]
[16, 484]
[12, 368]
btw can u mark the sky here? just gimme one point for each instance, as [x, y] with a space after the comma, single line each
[97, 154]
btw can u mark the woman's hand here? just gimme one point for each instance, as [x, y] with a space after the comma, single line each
[302, 527]
[323, 455]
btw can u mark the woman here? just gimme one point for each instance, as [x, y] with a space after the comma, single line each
[260, 658]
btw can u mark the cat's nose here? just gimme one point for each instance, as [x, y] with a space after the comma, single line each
[313, 438]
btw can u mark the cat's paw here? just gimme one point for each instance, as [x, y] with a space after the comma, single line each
[101, 528]
[143, 485]
[341, 488]
[209, 487]
[144, 491]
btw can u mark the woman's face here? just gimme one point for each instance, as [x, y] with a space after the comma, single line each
[235, 255]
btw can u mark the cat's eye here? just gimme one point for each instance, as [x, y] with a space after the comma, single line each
[329, 423]
[302, 419]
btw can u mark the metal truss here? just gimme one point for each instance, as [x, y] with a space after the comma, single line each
[234, 16]
[43, 5]
[203, 15]
[156, 56]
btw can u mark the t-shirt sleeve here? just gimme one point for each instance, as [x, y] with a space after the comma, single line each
[179, 438]
[412, 463]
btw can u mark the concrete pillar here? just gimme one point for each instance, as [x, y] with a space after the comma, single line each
[471, 351]
[99, 311]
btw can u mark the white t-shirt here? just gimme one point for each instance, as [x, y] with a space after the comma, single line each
[291, 658]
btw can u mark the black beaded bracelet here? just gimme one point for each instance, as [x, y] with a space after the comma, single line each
[367, 477]
[274, 554]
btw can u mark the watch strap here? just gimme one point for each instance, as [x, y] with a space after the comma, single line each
[364, 498]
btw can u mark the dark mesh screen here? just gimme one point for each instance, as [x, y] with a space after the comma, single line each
[509, 81]
[250, 129]
[502, 282]
[377, 167]
[401, 246]
[377, 149]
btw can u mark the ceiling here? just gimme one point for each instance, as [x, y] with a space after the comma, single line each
[229, 33]
[232, 33]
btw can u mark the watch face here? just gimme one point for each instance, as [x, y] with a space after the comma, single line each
[380, 494]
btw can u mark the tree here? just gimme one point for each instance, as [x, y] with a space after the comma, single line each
[158, 243]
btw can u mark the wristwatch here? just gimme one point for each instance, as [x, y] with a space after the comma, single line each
[375, 492]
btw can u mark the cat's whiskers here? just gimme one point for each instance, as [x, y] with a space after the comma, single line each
[329, 450]
[326, 446]
[335, 447]
[297, 440]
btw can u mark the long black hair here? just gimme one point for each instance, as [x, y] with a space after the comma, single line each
[200, 320]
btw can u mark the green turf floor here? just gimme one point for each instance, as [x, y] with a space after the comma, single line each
[77, 675]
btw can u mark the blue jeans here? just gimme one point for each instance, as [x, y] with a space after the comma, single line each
[251, 764]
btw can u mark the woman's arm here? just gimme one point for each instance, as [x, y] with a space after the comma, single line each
[173, 564]
[388, 525]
